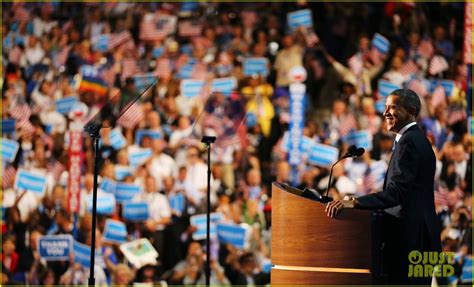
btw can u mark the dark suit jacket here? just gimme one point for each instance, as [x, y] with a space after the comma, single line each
[409, 182]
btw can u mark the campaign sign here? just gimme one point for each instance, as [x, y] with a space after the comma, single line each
[297, 93]
[255, 66]
[8, 125]
[55, 247]
[9, 149]
[380, 106]
[385, 88]
[300, 18]
[232, 234]
[191, 88]
[139, 157]
[107, 185]
[115, 231]
[82, 254]
[323, 155]
[26, 180]
[101, 43]
[117, 140]
[448, 86]
[105, 203]
[224, 85]
[143, 81]
[186, 71]
[126, 191]
[122, 171]
[154, 135]
[177, 202]
[200, 221]
[361, 139]
[466, 276]
[380, 43]
[157, 52]
[65, 105]
[135, 211]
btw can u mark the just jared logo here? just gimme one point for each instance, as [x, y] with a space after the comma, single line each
[429, 264]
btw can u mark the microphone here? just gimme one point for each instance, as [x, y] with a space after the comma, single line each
[352, 151]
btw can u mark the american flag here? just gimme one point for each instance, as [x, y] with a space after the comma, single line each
[418, 87]
[189, 29]
[163, 68]
[56, 169]
[215, 123]
[119, 38]
[21, 112]
[131, 117]
[26, 126]
[8, 176]
[355, 64]
[347, 124]
[439, 96]
[462, 72]
[455, 115]
[425, 49]
[155, 27]
[409, 67]
[441, 196]
[438, 64]
[129, 68]
[61, 56]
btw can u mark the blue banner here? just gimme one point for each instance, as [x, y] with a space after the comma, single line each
[30, 181]
[224, 85]
[126, 191]
[232, 234]
[122, 171]
[177, 202]
[135, 211]
[139, 157]
[360, 139]
[466, 276]
[9, 149]
[115, 231]
[65, 105]
[8, 125]
[297, 93]
[107, 185]
[200, 221]
[105, 203]
[89, 71]
[55, 247]
[323, 155]
[139, 134]
[117, 140]
[101, 43]
[385, 88]
[255, 66]
[300, 18]
[380, 43]
[191, 88]
[82, 254]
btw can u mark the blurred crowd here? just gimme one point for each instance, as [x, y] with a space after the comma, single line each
[46, 46]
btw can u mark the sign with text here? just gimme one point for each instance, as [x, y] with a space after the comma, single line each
[140, 156]
[232, 234]
[75, 164]
[300, 18]
[135, 211]
[200, 221]
[26, 180]
[65, 105]
[126, 191]
[82, 254]
[105, 203]
[55, 247]
[360, 139]
[323, 155]
[9, 149]
[115, 231]
[255, 66]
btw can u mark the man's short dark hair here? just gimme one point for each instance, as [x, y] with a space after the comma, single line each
[408, 99]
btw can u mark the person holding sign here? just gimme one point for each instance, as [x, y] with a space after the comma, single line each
[407, 197]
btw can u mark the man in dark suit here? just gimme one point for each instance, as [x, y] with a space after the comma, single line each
[410, 221]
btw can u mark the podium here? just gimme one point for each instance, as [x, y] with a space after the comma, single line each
[309, 248]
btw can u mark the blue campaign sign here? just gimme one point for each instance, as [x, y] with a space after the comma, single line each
[177, 202]
[380, 43]
[300, 18]
[107, 185]
[297, 93]
[82, 254]
[139, 157]
[448, 86]
[143, 81]
[306, 145]
[139, 134]
[135, 211]
[89, 71]
[323, 155]
[157, 52]
[115, 231]
[385, 88]
[360, 139]
[200, 221]
[185, 71]
[255, 66]
[186, 49]
[224, 85]
[101, 43]
[105, 203]
[9, 149]
[232, 234]
[55, 247]
[126, 191]
[191, 88]
[466, 276]
[122, 171]
[8, 125]
[65, 105]
[380, 106]
[117, 140]
[26, 180]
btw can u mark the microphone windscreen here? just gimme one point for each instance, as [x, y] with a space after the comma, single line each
[352, 150]
[360, 151]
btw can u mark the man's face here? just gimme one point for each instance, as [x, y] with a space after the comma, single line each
[395, 115]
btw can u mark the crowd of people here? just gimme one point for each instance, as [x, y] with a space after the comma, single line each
[49, 47]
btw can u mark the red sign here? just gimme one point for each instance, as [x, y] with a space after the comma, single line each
[75, 164]
[468, 33]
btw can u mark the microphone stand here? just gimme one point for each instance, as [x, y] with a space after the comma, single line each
[208, 140]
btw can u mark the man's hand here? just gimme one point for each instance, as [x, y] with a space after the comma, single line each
[334, 207]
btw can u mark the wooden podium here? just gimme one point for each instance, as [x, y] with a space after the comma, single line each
[310, 248]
